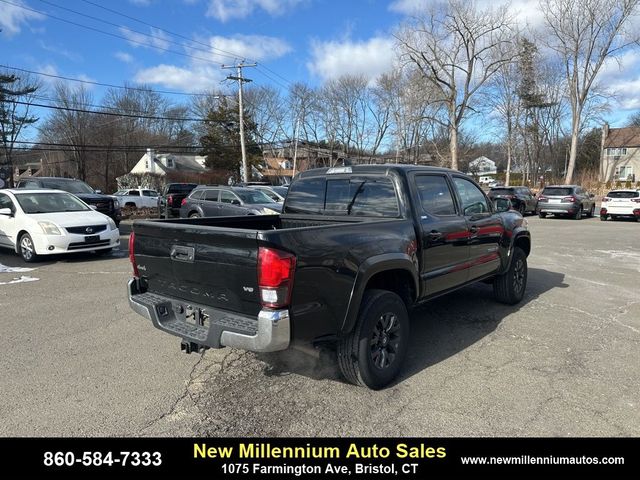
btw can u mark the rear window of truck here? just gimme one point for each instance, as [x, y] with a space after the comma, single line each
[363, 196]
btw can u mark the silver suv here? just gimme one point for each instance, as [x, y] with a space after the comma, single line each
[566, 200]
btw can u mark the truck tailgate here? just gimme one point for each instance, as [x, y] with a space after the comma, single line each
[216, 267]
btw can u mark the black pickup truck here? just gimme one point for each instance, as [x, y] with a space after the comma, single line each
[354, 249]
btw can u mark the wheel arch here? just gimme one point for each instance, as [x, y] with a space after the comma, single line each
[393, 272]
[19, 237]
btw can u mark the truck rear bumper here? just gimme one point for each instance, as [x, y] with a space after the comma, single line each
[270, 332]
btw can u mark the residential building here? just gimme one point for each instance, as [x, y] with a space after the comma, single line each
[166, 163]
[620, 154]
[482, 167]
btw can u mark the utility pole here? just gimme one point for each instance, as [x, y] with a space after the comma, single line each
[241, 80]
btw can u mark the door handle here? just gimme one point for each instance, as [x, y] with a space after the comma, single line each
[435, 235]
[473, 229]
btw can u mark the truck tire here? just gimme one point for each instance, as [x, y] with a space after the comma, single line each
[509, 287]
[372, 353]
[578, 215]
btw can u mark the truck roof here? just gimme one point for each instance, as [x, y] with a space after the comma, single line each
[316, 172]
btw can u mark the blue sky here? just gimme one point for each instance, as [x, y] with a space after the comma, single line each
[292, 40]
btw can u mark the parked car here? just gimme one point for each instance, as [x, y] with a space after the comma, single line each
[219, 200]
[275, 192]
[496, 183]
[138, 198]
[566, 200]
[104, 204]
[521, 198]
[46, 222]
[354, 249]
[170, 200]
[621, 204]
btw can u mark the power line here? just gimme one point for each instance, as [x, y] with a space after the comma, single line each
[226, 52]
[229, 54]
[93, 29]
[155, 37]
[98, 112]
[90, 82]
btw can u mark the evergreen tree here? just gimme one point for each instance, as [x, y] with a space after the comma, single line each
[14, 116]
[221, 142]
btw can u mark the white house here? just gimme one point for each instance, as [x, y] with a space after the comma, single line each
[482, 166]
[162, 163]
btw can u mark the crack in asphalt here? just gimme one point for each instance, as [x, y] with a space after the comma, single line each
[181, 397]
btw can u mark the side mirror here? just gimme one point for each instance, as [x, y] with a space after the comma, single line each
[502, 205]
[6, 211]
[235, 202]
[99, 192]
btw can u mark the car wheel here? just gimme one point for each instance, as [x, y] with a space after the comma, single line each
[542, 215]
[603, 218]
[614, 218]
[522, 209]
[591, 211]
[194, 215]
[578, 215]
[27, 249]
[372, 354]
[510, 286]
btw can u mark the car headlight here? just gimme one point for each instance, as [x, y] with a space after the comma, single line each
[49, 228]
[116, 203]
[112, 224]
[268, 211]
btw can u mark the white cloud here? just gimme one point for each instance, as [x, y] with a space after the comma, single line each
[369, 58]
[59, 50]
[621, 78]
[12, 17]
[124, 57]
[225, 10]
[526, 12]
[196, 78]
[408, 7]
[255, 47]
[158, 38]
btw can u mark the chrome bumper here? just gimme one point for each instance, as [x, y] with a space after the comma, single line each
[273, 328]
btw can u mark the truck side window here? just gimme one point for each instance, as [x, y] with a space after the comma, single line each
[134, 193]
[365, 196]
[435, 196]
[306, 196]
[473, 200]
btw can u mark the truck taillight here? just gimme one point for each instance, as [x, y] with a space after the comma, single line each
[132, 255]
[184, 202]
[275, 277]
[170, 200]
[542, 198]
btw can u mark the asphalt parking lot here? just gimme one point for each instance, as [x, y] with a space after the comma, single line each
[77, 361]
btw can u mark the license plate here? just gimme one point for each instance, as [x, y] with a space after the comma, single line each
[555, 200]
[92, 238]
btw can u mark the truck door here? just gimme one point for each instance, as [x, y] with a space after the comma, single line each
[443, 235]
[485, 228]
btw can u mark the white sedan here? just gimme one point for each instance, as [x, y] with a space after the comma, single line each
[47, 222]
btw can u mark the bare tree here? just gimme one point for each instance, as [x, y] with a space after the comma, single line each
[457, 47]
[17, 94]
[584, 33]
